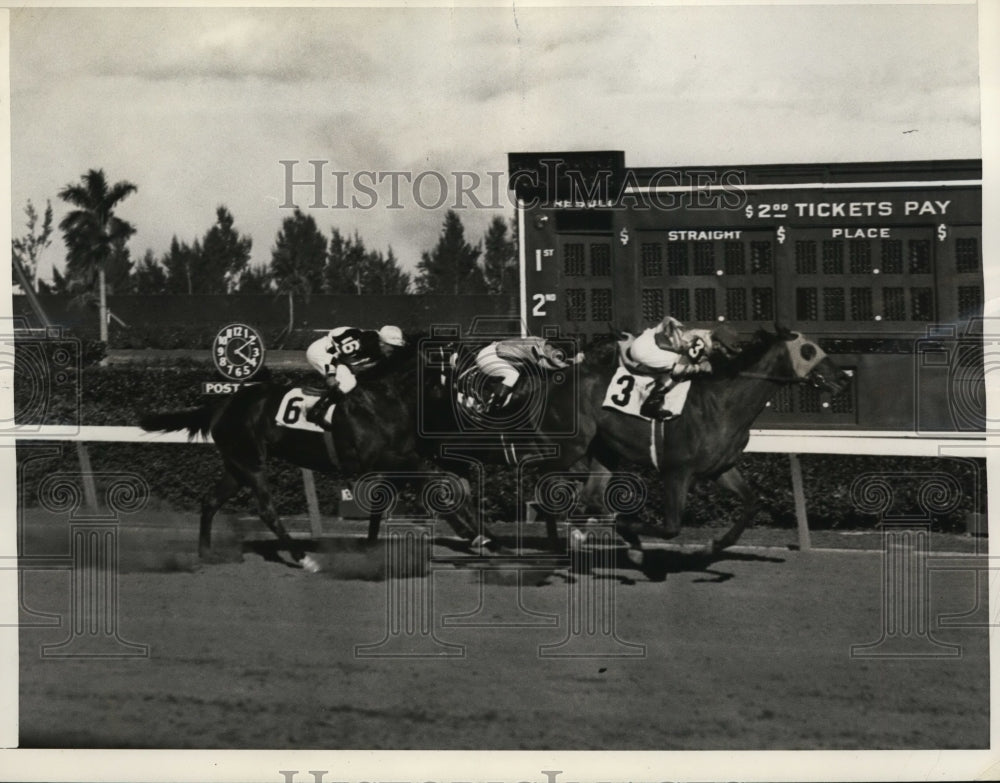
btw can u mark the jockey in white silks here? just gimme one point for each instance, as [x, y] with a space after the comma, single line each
[501, 361]
[673, 354]
[341, 354]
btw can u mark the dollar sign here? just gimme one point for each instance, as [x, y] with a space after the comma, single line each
[781, 235]
[623, 236]
[749, 210]
[942, 232]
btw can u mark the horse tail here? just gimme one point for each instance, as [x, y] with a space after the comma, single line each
[194, 420]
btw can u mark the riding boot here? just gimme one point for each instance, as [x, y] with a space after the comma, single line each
[317, 414]
[652, 407]
[498, 396]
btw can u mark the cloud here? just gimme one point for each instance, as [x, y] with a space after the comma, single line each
[198, 105]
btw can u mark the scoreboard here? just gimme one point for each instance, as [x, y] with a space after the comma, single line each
[880, 262]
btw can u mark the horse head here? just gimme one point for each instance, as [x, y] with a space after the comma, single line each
[810, 363]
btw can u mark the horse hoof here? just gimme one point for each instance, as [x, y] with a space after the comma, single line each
[309, 564]
[480, 545]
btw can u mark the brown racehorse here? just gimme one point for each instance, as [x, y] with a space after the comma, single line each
[374, 431]
[707, 440]
[572, 429]
[402, 417]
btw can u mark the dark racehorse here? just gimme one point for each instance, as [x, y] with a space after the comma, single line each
[572, 429]
[707, 440]
[374, 430]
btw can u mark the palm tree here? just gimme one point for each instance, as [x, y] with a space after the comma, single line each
[91, 232]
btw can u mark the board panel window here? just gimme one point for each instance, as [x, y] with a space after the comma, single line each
[652, 304]
[809, 399]
[761, 258]
[806, 304]
[677, 260]
[573, 263]
[735, 261]
[652, 259]
[861, 304]
[921, 304]
[600, 304]
[967, 254]
[894, 304]
[805, 257]
[576, 304]
[762, 304]
[970, 301]
[892, 256]
[736, 304]
[781, 402]
[833, 304]
[704, 304]
[833, 257]
[680, 303]
[860, 253]
[704, 258]
[843, 401]
[600, 259]
[920, 256]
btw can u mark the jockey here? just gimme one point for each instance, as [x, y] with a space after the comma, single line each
[341, 354]
[499, 361]
[673, 354]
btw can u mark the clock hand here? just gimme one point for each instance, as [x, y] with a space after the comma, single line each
[239, 352]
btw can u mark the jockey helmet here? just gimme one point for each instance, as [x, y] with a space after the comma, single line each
[669, 336]
[392, 335]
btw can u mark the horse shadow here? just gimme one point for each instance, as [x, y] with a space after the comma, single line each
[657, 564]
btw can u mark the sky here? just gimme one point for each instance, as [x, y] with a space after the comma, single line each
[198, 107]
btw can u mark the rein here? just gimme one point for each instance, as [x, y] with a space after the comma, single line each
[765, 377]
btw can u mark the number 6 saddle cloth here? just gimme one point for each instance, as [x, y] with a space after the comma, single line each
[295, 404]
[632, 383]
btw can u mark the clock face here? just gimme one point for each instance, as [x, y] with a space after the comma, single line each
[238, 352]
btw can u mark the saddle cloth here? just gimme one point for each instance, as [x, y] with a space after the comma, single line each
[295, 404]
[632, 383]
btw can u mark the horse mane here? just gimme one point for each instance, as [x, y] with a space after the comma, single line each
[751, 352]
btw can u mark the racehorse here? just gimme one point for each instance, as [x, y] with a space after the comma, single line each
[708, 438]
[705, 442]
[374, 429]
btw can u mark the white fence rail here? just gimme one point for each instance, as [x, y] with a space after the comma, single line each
[876, 442]
[791, 442]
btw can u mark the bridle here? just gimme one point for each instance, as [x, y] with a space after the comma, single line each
[801, 367]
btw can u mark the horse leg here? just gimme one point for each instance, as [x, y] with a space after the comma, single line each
[374, 523]
[734, 482]
[227, 486]
[675, 491]
[269, 514]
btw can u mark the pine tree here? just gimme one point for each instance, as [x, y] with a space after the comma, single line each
[451, 267]
[149, 276]
[298, 257]
[225, 254]
[499, 259]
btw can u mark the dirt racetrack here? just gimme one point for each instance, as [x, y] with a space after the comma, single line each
[749, 652]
